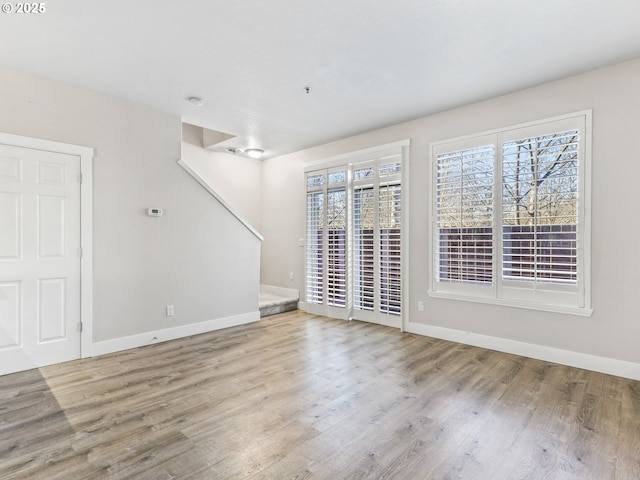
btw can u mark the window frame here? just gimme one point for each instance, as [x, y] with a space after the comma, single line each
[554, 298]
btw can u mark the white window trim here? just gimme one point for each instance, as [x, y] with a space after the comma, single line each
[584, 239]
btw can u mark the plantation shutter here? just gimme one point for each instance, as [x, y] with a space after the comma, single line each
[326, 246]
[377, 234]
[540, 208]
[336, 239]
[364, 254]
[390, 249]
[509, 216]
[464, 215]
[354, 237]
[542, 221]
[315, 239]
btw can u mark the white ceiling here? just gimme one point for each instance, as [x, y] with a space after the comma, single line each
[369, 63]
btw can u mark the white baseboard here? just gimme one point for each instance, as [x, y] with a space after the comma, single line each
[283, 292]
[595, 363]
[148, 338]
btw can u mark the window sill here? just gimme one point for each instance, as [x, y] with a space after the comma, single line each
[565, 309]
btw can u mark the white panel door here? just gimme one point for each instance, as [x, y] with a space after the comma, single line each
[39, 258]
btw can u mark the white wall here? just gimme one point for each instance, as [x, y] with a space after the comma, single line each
[237, 179]
[197, 257]
[613, 330]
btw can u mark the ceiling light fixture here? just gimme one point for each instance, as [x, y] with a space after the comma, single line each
[197, 101]
[254, 152]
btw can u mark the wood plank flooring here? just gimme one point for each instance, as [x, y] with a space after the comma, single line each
[297, 396]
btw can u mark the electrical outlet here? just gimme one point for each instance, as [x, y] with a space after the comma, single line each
[170, 311]
[291, 276]
[421, 306]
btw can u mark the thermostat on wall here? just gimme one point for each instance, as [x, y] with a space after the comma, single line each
[155, 212]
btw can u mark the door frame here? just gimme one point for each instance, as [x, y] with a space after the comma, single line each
[86, 155]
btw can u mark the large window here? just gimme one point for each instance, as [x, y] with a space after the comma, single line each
[509, 216]
[354, 239]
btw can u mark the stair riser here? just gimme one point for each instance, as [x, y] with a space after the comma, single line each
[275, 309]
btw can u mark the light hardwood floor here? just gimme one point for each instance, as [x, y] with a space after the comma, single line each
[306, 397]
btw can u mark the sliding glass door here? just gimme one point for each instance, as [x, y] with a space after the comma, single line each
[354, 241]
[377, 246]
[326, 243]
